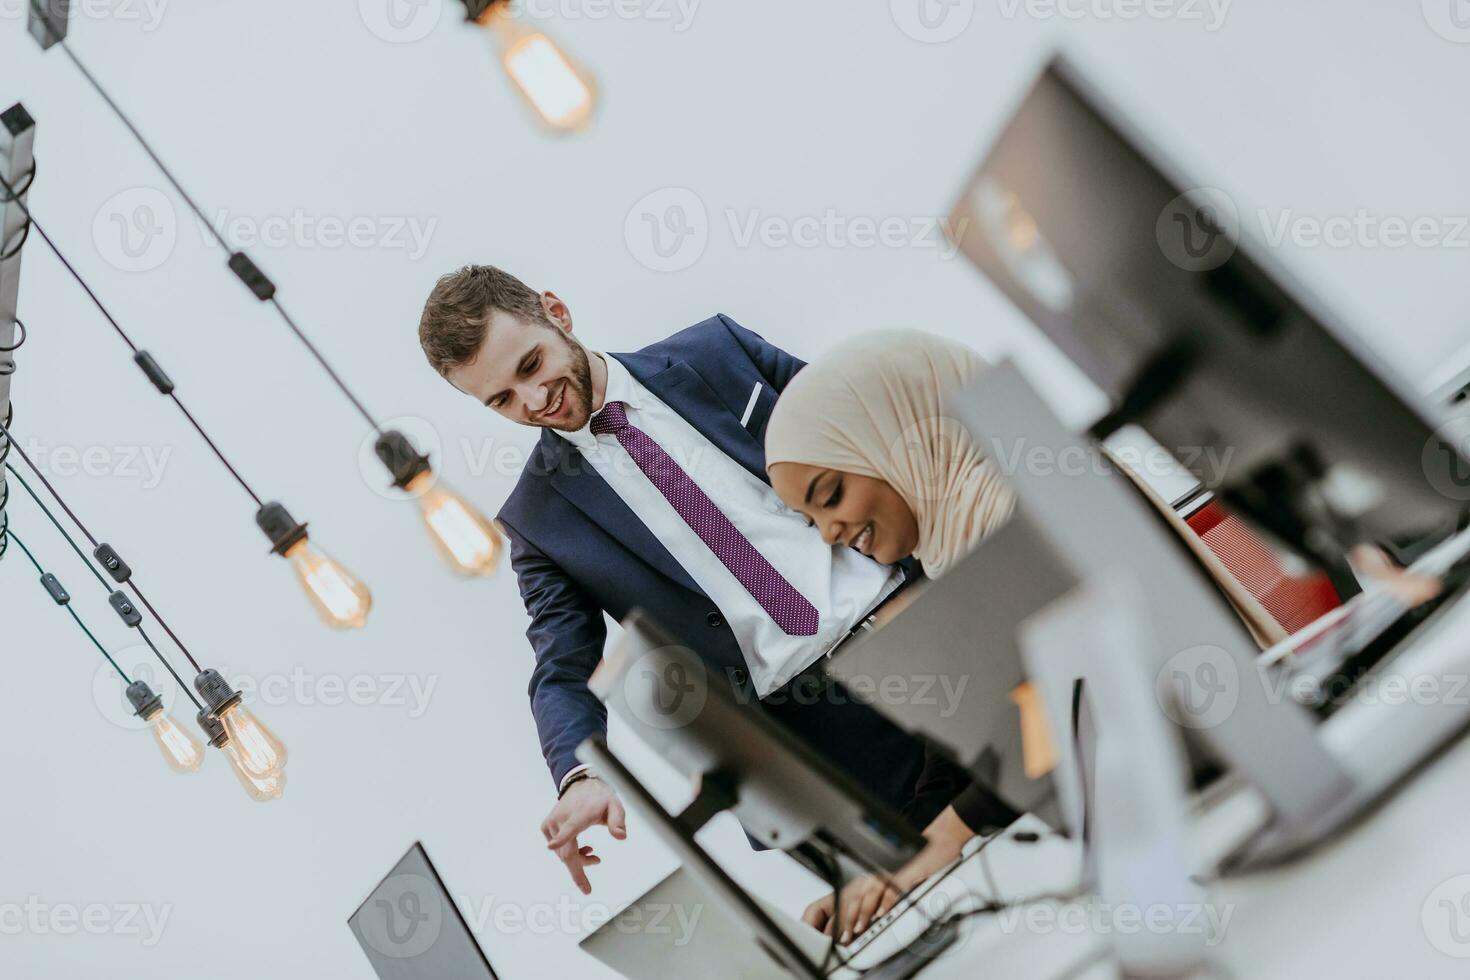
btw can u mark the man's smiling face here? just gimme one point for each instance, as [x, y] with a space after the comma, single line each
[533, 373]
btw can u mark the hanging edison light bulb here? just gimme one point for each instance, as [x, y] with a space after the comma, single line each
[339, 598]
[180, 749]
[260, 753]
[261, 789]
[464, 537]
[559, 90]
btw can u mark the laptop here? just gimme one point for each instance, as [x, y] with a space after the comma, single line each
[410, 928]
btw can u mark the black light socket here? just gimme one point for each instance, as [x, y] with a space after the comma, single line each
[143, 700]
[280, 527]
[402, 459]
[215, 690]
[477, 9]
[214, 729]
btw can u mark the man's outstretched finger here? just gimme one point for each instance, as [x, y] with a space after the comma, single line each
[572, 858]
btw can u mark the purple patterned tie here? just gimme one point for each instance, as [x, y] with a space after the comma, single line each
[787, 607]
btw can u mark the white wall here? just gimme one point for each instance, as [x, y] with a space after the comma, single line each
[773, 110]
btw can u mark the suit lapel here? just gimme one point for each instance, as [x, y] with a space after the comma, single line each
[575, 479]
[681, 388]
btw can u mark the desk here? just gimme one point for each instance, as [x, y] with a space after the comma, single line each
[1355, 908]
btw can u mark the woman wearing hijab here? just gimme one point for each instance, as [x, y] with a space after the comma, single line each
[861, 444]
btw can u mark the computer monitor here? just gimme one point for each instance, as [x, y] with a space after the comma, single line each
[783, 793]
[949, 667]
[1149, 284]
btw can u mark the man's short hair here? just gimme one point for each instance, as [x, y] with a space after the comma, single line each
[459, 308]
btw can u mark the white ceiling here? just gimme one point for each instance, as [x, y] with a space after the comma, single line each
[763, 110]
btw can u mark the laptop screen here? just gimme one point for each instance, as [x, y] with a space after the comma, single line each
[411, 929]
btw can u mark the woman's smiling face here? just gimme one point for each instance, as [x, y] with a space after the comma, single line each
[861, 512]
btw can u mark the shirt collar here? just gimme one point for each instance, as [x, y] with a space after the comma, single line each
[620, 388]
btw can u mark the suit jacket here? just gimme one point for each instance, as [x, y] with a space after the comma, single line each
[579, 551]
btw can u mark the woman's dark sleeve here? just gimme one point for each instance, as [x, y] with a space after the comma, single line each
[943, 784]
[982, 810]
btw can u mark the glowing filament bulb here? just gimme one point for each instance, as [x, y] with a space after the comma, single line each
[260, 753]
[464, 536]
[262, 789]
[340, 598]
[560, 92]
[181, 750]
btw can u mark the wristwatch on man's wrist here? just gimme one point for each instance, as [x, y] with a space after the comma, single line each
[576, 778]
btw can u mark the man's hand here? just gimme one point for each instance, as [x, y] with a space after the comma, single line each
[585, 803]
[863, 902]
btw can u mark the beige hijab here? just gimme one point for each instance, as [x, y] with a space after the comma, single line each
[878, 409]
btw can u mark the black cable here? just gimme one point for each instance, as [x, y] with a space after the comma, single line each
[29, 178]
[834, 865]
[146, 638]
[20, 325]
[170, 667]
[42, 572]
[215, 449]
[204, 220]
[4, 485]
[311, 348]
[4, 430]
[161, 622]
[57, 524]
[6, 186]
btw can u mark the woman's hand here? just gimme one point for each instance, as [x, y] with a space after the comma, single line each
[864, 901]
[1410, 588]
[868, 899]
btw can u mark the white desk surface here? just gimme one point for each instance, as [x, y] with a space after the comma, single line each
[1366, 905]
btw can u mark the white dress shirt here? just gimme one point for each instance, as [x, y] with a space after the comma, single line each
[841, 583]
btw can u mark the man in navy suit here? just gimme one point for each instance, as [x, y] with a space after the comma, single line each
[648, 489]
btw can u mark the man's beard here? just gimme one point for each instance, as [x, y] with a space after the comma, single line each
[579, 388]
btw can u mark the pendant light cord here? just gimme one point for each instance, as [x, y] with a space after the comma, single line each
[102, 308]
[4, 430]
[168, 175]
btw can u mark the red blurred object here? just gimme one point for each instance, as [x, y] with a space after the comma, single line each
[1292, 600]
